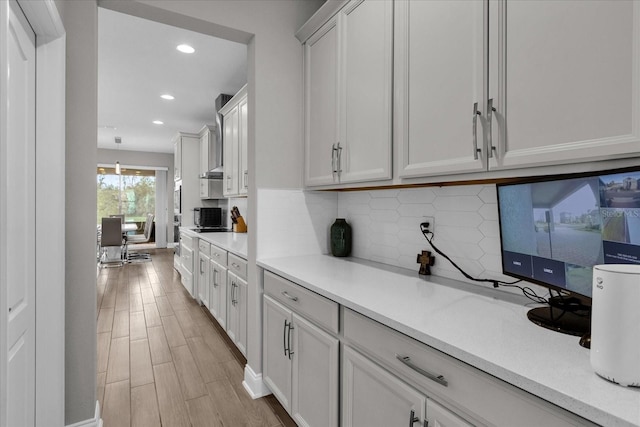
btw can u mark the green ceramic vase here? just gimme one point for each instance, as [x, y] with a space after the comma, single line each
[340, 238]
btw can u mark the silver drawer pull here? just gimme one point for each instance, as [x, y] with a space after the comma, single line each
[236, 266]
[437, 378]
[289, 296]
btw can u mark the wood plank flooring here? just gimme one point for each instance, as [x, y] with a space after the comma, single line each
[162, 359]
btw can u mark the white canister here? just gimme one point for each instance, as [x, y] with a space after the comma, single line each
[615, 323]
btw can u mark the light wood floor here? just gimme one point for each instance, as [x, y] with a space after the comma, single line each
[162, 361]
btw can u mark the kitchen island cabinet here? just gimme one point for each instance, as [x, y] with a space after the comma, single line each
[474, 336]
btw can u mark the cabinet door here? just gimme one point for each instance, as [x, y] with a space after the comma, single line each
[373, 397]
[203, 279]
[177, 159]
[243, 178]
[439, 416]
[565, 81]
[321, 104]
[230, 147]
[366, 65]
[204, 164]
[276, 363]
[241, 307]
[204, 152]
[315, 362]
[218, 293]
[438, 83]
[233, 317]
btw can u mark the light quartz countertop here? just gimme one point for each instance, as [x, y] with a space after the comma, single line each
[482, 327]
[236, 243]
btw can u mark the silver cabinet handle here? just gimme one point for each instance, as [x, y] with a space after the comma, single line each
[490, 110]
[437, 378]
[413, 419]
[201, 270]
[228, 182]
[339, 171]
[284, 338]
[236, 266]
[215, 277]
[476, 113]
[289, 339]
[245, 179]
[292, 298]
[334, 150]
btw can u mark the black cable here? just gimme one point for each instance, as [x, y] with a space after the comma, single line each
[526, 291]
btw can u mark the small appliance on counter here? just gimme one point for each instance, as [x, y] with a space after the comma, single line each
[239, 226]
[615, 323]
[208, 220]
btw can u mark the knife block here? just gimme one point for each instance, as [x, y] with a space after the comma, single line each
[240, 226]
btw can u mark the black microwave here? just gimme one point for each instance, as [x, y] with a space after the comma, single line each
[207, 217]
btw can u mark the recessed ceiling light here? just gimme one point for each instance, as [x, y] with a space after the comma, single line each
[158, 122]
[185, 48]
[167, 96]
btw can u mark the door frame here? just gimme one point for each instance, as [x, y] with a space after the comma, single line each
[49, 258]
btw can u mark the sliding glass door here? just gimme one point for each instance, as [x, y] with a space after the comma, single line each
[132, 193]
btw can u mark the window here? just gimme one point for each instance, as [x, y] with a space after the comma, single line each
[132, 193]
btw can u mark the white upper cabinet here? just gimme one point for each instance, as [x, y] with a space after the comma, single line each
[321, 104]
[243, 142]
[439, 81]
[348, 96]
[565, 81]
[235, 145]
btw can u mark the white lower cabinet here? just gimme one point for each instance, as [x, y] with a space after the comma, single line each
[203, 273]
[300, 359]
[186, 256]
[218, 287]
[456, 394]
[373, 397]
[237, 311]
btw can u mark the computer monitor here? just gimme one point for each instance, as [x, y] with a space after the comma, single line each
[554, 229]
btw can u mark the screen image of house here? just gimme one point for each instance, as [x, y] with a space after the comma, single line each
[620, 200]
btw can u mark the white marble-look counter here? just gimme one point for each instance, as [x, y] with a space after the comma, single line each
[236, 243]
[481, 328]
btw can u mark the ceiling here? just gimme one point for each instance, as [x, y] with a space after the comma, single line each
[138, 62]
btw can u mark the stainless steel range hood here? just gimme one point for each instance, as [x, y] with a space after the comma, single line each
[217, 172]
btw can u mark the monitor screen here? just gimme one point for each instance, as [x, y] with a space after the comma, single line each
[555, 229]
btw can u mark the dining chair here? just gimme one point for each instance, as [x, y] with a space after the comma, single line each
[111, 237]
[139, 239]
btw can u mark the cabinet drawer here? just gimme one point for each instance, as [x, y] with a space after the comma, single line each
[219, 255]
[186, 240]
[317, 308]
[204, 247]
[238, 266]
[472, 393]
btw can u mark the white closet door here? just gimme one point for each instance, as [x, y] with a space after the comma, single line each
[17, 218]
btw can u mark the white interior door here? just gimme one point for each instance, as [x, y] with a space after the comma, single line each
[17, 217]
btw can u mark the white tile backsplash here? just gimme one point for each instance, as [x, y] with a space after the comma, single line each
[385, 226]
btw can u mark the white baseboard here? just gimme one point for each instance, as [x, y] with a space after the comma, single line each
[253, 384]
[96, 421]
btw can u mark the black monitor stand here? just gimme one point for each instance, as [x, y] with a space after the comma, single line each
[563, 314]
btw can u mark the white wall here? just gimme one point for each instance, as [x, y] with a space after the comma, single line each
[80, 20]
